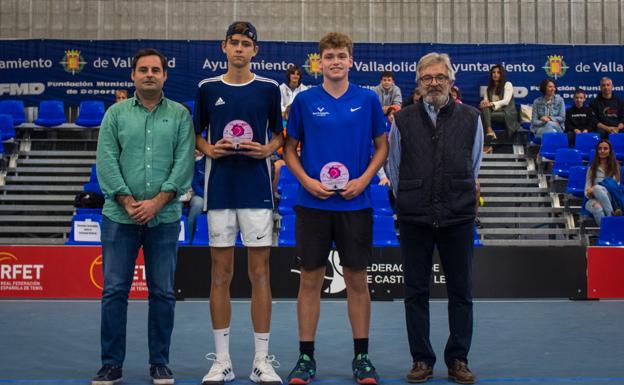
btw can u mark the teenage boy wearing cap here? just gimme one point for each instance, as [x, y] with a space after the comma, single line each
[241, 114]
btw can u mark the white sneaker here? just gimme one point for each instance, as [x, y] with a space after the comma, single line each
[220, 372]
[263, 372]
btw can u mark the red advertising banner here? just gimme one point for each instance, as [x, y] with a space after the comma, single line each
[605, 272]
[59, 272]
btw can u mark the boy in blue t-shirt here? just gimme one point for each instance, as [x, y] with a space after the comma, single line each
[335, 124]
[240, 112]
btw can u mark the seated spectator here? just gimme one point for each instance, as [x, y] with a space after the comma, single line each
[609, 110]
[456, 94]
[291, 87]
[196, 204]
[548, 110]
[603, 166]
[498, 104]
[413, 98]
[390, 111]
[120, 95]
[579, 118]
[388, 92]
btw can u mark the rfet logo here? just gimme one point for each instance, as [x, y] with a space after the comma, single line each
[96, 274]
[312, 65]
[11, 271]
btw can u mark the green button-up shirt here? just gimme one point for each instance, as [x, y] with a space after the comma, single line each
[142, 153]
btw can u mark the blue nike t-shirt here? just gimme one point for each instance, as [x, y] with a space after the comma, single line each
[238, 181]
[335, 130]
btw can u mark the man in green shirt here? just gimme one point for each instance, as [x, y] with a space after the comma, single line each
[144, 163]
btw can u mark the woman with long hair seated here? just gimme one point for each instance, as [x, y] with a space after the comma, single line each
[604, 165]
[498, 104]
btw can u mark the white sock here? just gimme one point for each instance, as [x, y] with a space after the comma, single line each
[222, 343]
[261, 342]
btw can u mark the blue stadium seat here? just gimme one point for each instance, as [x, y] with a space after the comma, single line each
[477, 241]
[51, 113]
[93, 177]
[551, 142]
[90, 114]
[611, 231]
[201, 230]
[286, 177]
[15, 108]
[287, 231]
[534, 139]
[185, 235]
[93, 187]
[576, 181]
[191, 105]
[289, 197]
[384, 233]
[617, 141]
[7, 131]
[566, 158]
[380, 200]
[85, 229]
[592, 153]
[585, 142]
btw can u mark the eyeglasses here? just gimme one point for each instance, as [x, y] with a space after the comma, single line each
[428, 79]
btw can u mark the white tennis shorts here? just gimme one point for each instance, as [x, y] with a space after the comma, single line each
[255, 226]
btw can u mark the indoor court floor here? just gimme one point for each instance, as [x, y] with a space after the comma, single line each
[515, 342]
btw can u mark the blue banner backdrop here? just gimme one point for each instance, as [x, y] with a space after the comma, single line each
[77, 70]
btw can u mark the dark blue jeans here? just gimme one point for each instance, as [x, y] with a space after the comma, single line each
[455, 246]
[120, 246]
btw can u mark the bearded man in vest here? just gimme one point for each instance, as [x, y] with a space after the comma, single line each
[435, 155]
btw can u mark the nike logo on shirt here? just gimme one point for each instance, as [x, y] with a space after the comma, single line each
[355, 109]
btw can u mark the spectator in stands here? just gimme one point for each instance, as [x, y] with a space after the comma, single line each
[143, 166]
[120, 95]
[579, 118]
[330, 206]
[414, 97]
[238, 193]
[291, 87]
[388, 93]
[498, 104]
[196, 204]
[609, 110]
[548, 110]
[456, 94]
[434, 180]
[604, 165]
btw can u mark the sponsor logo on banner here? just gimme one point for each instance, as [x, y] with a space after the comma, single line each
[15, 276]
[312, 65]
[555, 67]
[72, 62]
[16, 89]
[96, 275]
[333, 274]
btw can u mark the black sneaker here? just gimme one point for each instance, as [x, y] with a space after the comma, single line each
[108, 375]
[303, 372]
[364, 371]
[161, 375]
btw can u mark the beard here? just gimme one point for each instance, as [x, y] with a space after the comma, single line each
[437, 97]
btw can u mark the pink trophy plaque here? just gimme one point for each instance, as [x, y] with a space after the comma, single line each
[237, 132]
[334, 175]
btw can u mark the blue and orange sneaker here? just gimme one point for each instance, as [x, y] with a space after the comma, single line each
[364, 371]
[303, 372]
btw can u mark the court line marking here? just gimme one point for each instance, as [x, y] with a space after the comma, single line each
[342, 300]
[337, 381]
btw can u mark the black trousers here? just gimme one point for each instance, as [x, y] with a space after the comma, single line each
[455, 246]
